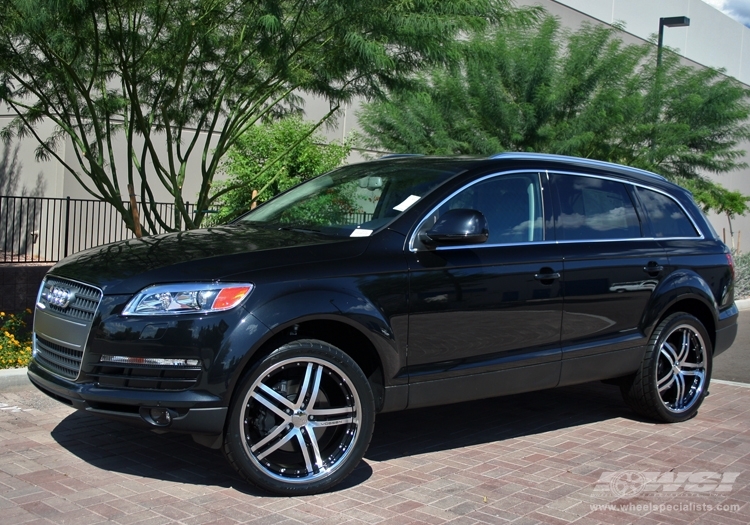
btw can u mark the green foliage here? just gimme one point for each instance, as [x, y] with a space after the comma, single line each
[712, 196]
[585, 94]
[271, 158]
[331, 208]
[181, 80]
[15, 342]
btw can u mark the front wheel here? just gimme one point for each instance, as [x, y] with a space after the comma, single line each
[676, 369]
[301, 419]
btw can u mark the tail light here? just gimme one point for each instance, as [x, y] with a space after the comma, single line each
[730, 261]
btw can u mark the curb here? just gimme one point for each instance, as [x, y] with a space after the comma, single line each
[13, 378]
[731, 383]
[743, 304]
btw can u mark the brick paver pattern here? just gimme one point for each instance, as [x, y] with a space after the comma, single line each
[533, 458]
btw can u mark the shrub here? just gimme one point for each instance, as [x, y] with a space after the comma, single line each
[15, 341]
[252, 164]
[742, 275]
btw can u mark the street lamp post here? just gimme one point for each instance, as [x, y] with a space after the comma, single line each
[670, 21]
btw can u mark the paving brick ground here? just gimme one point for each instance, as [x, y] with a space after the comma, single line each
[550, 457]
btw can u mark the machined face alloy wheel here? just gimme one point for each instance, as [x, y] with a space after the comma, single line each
[301, 420]
[681, 368]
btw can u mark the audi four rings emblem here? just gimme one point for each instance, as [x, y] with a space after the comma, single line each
[60, 297]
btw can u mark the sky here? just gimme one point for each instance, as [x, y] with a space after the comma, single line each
[737, 9]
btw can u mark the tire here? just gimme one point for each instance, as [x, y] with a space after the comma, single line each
[283, 443]
[673, 378]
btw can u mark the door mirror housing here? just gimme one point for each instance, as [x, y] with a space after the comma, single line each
[455, 227]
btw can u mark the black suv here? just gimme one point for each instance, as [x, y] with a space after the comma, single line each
[399, 283]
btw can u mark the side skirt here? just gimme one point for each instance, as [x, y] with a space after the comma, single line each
[601, 366]
[480, 386]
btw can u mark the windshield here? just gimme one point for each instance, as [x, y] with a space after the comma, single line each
[353, 201]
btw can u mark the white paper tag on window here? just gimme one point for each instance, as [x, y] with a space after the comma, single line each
[411, 199]
[361, 232]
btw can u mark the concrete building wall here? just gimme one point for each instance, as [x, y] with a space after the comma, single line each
[72, 188]
[713, 39]
[20, 172]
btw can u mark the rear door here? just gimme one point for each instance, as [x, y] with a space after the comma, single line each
[612, 265]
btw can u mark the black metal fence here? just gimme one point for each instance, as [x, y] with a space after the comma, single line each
[44, 229]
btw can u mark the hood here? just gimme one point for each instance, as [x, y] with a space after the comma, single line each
[126, 267]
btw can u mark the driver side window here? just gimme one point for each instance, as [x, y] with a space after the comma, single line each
[511, 203]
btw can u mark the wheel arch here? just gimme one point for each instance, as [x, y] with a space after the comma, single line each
[699, 310]
[335, 332]
[683, 292]
[352, 324]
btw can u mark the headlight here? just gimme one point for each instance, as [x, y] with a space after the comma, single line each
[184, 298]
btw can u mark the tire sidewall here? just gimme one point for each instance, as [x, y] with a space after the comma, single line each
[301, 349]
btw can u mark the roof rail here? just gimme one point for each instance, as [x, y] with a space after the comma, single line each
[565, 158]
[395, 155]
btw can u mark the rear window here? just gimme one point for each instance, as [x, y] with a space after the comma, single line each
[667, 218]
[591, 208]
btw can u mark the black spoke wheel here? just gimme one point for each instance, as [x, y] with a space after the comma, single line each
[301, 420]
[676, 369]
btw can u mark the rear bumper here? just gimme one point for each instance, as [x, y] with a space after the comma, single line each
[726, 330]
[194, 412]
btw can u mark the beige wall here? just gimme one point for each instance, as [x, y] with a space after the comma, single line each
[713, 39]
[22, 174]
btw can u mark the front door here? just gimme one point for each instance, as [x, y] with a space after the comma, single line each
[478, 312]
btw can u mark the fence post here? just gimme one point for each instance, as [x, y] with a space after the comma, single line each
[20, 233]
[67, 225]
[5, 229]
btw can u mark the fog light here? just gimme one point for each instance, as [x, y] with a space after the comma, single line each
[160, 416]
[148, 361]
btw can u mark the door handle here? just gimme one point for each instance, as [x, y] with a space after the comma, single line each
[547, 276]
[653, 269]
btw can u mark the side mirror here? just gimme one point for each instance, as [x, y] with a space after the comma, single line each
[460, 226]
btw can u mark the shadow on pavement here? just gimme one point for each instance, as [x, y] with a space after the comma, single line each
[117, 447]
[411, 432]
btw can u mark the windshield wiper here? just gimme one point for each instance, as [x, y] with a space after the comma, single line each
[300, 230]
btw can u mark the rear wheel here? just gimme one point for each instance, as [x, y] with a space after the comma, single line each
[676, 369]
[301, 419]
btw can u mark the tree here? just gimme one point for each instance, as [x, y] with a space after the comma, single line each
[250, 178]
[584, 94]
[181, 80]
[712, 196]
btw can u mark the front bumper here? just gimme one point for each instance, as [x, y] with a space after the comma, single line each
[193, 413]
[90, 357]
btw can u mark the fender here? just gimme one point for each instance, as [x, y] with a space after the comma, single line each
[235, 351]
[358, 312]
[678, 286]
